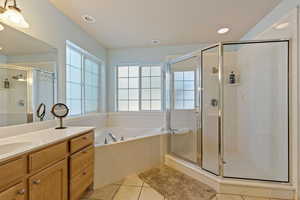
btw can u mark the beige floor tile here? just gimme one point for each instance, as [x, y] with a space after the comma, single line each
[106, 192]
[133, 180]
[128, 193]
[150, 194]
[228, 197]
[254, 198]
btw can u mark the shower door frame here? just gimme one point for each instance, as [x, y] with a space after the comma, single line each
[194, 54]
[221, 145]
[221, 137]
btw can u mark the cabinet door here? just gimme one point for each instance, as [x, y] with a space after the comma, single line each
[16, 192]
[50, 183]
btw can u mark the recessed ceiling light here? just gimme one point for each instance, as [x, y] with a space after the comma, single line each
[223, 30]
[1, 48]
[88, 19]
[155, 42]
[1, 27]
[282, 26]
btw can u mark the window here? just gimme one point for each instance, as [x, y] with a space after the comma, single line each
[82, 81]
[139, 88]
[128, 88]
[184, 89]
[151, 88]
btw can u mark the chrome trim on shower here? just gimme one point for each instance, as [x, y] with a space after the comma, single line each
[220, 105]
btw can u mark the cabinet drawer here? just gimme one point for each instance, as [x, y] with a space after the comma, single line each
[81, 142]
[16, 192]
[12, 171]
[80, 183]
[47, 156]
[81, 160]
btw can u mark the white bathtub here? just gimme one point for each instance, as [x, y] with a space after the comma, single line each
[124, 134]
[140, 149]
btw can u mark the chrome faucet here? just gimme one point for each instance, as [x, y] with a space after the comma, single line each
[112, 137]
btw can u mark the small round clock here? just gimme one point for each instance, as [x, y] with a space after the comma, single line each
[60, 111]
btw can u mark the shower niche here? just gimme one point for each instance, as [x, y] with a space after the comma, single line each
[240, 118]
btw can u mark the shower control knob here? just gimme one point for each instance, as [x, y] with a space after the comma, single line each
[214, 102]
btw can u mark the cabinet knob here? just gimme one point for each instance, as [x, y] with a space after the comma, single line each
[85, 138]
[21, 192]
[36, 182]
[84, 173]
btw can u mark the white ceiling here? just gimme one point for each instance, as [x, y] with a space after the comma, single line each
[134, 23]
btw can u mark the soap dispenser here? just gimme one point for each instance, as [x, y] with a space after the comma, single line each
[232, 78]
[6, 83]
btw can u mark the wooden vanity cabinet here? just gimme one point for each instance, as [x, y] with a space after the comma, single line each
[81, 165]
[47, 156]
[15, 192]
[62, 171]
[50, 184]
[80, 142]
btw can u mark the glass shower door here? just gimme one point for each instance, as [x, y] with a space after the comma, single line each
[210, 109]
[256, 141]
[184, 113]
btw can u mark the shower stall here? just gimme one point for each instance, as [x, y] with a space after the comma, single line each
[22, 90]
[228, 109]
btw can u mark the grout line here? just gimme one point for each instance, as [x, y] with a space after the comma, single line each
[117, 190]
[132, 185]
[141, 191]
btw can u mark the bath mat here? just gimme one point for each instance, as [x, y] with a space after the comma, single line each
[174, 185]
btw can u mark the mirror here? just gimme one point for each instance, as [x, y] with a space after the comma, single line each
[27, 78]
[41, 111]
[60, 111]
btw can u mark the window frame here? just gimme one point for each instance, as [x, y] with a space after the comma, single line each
[84, 55]
[139, 87]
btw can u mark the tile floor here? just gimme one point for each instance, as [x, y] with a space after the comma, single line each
[131, 188]
[134, 188]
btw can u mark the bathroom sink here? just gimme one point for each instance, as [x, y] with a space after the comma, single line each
[13, 146]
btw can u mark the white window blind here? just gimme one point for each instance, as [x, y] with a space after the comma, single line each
[82, 81]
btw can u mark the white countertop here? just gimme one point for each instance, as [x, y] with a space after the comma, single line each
[11, 147]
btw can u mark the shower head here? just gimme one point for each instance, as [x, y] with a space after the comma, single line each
[19, 77]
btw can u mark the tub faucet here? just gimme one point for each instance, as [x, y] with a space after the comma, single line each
[112, 137]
